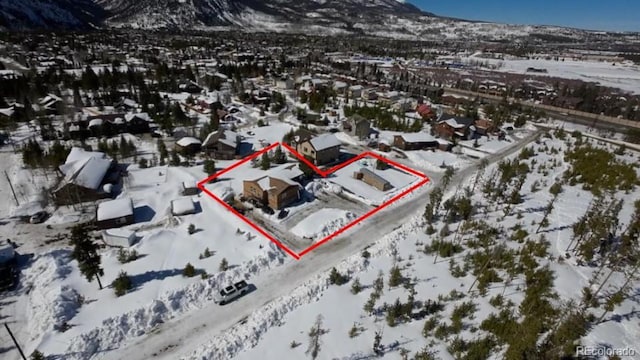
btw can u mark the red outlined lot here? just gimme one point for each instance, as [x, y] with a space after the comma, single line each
[323, 173]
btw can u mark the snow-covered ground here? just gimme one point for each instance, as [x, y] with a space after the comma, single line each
[173, 316]
[322, 223]
[399, 180]
[624, 75]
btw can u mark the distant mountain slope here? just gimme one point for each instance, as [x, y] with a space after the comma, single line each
[198, 13]
[385, 18]
[50, 14]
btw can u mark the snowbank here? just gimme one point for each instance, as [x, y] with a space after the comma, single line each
[323, 223]
[49, 304]
[117, 330]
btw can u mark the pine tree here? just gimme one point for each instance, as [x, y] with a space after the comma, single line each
[279, 156]
[122, 284]
[356, 287]
[315, 333]
[189, 270]
[209, 167]
[395, 276]
[85, 252]
[224, 265]
[265, 162]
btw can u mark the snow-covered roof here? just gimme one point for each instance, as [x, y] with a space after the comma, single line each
[8, 112]
[85, 168]
[324, 141]
[286, 172]
[454, 124]
[119, 232]
[418, 137]
[183, 206]
[95, 122]
[114, 209]
[188, 140]
[189, 184]
[264, 183]
[143, 116]
[77, 154]
[339, 84]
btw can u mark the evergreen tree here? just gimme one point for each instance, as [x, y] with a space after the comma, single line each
[315, 333]
[37, 355]
[265, 162]
[85, 252]
[279, 157]
[306, 169]
[224, 265]
[122, 284]
[209, 167]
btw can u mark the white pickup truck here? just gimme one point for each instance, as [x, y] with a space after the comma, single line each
[231, 292]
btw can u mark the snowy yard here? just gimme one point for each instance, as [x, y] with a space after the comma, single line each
[399, 180]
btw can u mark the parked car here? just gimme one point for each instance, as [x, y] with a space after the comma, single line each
[267, 210]
[231, 292]
[38, 217]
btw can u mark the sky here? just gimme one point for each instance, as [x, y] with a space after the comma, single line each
[614, 15]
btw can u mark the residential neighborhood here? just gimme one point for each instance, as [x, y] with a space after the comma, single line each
[215, 194]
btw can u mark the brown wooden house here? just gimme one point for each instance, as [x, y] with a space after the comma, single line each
[276, 193]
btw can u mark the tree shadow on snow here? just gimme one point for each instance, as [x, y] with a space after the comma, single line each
[140, 279]
[143, 214]
[6, 349]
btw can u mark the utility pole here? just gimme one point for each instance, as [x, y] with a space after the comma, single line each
[15, 341]
[12, 190]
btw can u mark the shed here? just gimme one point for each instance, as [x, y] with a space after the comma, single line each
[183, 206]
[190, 188]
[373, 179]
[119, 237]
[114, 213]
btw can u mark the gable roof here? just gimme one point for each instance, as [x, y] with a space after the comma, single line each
[224, 136]
[324, 141]
[85, 168]
[418, 137]
[114, 209]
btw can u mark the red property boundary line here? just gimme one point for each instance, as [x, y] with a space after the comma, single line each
[324, 174]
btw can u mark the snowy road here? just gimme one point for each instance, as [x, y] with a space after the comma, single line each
[180, 336]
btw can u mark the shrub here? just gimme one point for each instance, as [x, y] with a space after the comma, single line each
[122, 284]
[36, 355]
[354, 331]
[356, 287]
[224, 265]
[430, 325]
[143, 163]
[189, 270]
[206, 254]
[191, 229]
[395, 276]
[443, 248]
[294, 344]
[125, 256]
[336, 278]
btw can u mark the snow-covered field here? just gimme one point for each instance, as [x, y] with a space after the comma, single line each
[624, 75]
